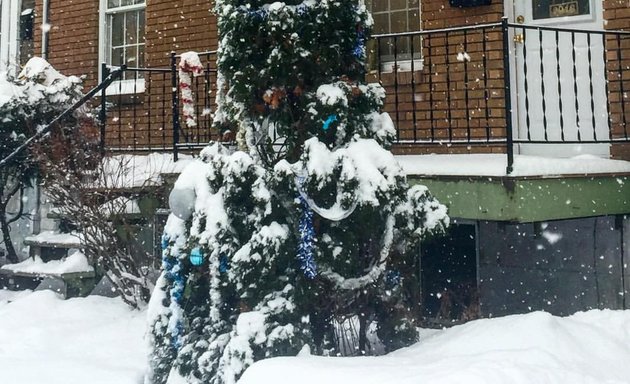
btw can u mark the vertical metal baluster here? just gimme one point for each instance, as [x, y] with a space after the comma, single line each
[430, 64]
[197, 112]
[448, 90]
[175, 104]
[486, 92]
[605, 61]
[103, 111]
[148, 108]
[396, 87]
[163, 122]
[590, 84]
[120, 117]
[413, 89]
[467, 107]
[542, 82]
[528, 120]
[378, 59]
[558, 73]
[622, 93]
[507, 94]
[575, 87]
[134, 108]
[206, 99]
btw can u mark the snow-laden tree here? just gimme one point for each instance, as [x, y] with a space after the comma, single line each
[311, 219]
[27, 102]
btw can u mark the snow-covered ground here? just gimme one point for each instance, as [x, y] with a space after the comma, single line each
[44, 339]
[47, 340]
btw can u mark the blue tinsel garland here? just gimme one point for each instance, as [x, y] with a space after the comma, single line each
[307, 241]
[173, 272]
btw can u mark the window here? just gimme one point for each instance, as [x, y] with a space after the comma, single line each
[122, 37]
[9, 34]
[27, 17]
[395, 16]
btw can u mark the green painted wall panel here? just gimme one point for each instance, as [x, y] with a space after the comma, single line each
[530, 199]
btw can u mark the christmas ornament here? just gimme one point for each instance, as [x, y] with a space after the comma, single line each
[196, 256]
[189, 66]
[331, 119]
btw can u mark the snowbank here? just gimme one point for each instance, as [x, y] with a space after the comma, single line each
[45, 339]
[97, 340]
[591, 347]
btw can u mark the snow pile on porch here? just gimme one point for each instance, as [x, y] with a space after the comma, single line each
[99, 340]
[589, 347]
[136, 171]
[76, 262]
[496, 165]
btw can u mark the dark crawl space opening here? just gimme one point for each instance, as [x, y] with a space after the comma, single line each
[449, 277]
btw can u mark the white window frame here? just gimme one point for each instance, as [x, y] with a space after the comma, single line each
[404, 65]
[9, 35]
[121, 87]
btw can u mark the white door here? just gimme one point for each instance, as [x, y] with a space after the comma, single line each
[560, 78]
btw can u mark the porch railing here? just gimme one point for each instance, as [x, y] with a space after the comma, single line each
[142, 112]
[492, 87]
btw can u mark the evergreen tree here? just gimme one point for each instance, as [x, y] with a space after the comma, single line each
[310, 220]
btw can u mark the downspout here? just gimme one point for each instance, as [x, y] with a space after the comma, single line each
[45, 28]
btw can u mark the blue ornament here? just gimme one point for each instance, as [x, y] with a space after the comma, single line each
[307, 241]
[223, 264]
[331, 119]
[196, 256]
[173, 272]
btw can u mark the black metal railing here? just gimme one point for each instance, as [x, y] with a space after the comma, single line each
[143, 111]
[503, 84]
[492, 87]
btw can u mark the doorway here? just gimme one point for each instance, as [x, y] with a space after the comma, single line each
[560, 77]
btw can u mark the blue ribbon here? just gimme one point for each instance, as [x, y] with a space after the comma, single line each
[331, 119]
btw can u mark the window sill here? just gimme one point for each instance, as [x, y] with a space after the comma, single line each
[402, 66]
[125, 87]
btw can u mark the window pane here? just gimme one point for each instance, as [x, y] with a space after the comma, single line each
[379, 5]
[113, 3]
[381, 23]
[141, 22]
[397, 5]
[131, 56]
[131, 28]
[117, 29]
[141, 56]
[399, 21]
[545, 9]
[118, 56]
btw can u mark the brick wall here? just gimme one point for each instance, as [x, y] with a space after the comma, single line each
[438, 14]
[144, 119]
[458, 93]
[73, 37]
[617, 16]
[178, 26]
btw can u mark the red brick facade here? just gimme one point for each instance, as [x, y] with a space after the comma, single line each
[444, 90]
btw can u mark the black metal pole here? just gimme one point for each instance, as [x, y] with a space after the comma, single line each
[102, 117]
[175, 104]
[508, 95]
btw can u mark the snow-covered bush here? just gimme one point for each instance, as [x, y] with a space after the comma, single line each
[311, 220]
[27, 102]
